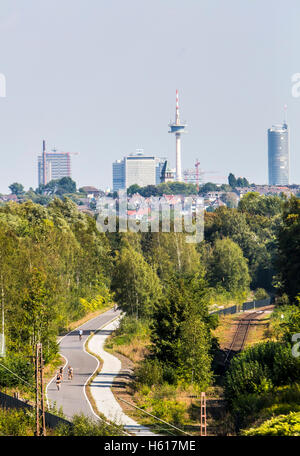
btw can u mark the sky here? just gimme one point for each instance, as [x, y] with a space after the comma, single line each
[99, 78]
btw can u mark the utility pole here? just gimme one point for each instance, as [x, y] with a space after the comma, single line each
[203, 415]
[42, 390]
[2, 334]
[39, 391]
[37, 402]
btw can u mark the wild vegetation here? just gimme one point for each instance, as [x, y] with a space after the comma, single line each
[55, 267]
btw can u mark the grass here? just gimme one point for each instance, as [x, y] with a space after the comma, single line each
[88, 317]
[132, 339]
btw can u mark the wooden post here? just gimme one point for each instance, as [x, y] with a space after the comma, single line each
[203, 415]
[42, 390]
[37, 402]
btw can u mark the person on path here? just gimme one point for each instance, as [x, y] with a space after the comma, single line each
[58, 380]
[70, 373]
[80, 334]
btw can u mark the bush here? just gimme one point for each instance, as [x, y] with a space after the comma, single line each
[84, 426]
[260, 293]
[283, 425]
[16, 423]
[170, 411]
[20, 366]
[170, 375]
[132, 326]
[149, 373]
[259, 368]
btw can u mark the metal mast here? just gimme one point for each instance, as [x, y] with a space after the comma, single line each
[177, 128]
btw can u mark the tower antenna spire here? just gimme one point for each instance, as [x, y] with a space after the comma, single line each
[177, 120]
[285, 113]
[177, 128]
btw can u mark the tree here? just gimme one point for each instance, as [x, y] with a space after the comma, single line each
[232, 180]
[16, 189]
[255, 234]
[228, 268]
[133, 189]
[136, 286]
[208, 187]
[255, 204]
[230, 199]
[184, 301]
[168, 316]
[288, 258]
[58, 186]
[194, 352]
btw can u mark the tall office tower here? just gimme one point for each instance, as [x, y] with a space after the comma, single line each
[177, 128]
[53, 165]
[137, 169]
[118, 169]
[278, 154]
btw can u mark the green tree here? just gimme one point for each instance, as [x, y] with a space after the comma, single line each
[194, 352]
[232, 180]
[135, 284]
[228, 268]
[288, 259]
[208, 187]
[16, 189]
[133, 189]
[184, 300]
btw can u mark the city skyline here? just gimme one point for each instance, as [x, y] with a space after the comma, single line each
[114, 92]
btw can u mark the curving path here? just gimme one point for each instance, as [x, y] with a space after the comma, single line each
[72, 397]
[102, 383]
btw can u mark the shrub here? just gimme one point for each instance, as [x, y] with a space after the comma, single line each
[259, 368]
[132, 326]
[260, 293]
[283, 425]
[16, 423]
[170, 375]
[20, 366]
[149, 373]
[169, 410]
[84, 426]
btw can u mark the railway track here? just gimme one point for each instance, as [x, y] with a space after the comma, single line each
[240, 336]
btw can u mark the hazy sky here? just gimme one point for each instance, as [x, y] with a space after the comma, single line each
[99, 78]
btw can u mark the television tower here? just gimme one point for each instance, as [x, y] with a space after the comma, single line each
[177, 128]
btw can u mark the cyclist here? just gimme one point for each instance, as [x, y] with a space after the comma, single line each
[58, 380]
[70, 373]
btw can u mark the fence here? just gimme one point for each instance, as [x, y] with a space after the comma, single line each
[245, 306]
[256, 304]
[9, 402]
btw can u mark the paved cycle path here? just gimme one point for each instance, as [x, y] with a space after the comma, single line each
[104, 381]
[72, 397]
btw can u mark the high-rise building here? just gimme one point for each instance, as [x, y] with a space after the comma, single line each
[278, 154]
[58, 165]
[118, 169]
[137, 169]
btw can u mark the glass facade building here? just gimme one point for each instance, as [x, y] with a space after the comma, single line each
[137, 169]
[278, 154]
